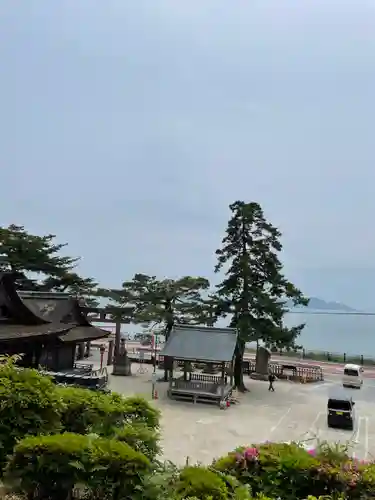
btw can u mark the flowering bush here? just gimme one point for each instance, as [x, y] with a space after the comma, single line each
[289, 471]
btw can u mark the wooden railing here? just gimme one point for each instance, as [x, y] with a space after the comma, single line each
[289, 371]
[207, 377]
[194, 385]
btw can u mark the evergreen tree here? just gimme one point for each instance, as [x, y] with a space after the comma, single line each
[38, 263]
[254, 291]
[161, 303]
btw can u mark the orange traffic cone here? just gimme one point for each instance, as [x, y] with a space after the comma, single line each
[156, 396]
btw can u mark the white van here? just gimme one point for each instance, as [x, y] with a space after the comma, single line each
[352, 376]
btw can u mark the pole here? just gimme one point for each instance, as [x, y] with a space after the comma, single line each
[154, 339]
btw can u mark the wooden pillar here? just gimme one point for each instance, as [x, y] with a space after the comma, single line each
[81, 351]
[231, 372]
[110, 353]
[88, 349]
[222, 379]
[185, 371]
[37, 355]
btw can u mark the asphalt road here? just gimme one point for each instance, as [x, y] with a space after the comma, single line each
[332, 384]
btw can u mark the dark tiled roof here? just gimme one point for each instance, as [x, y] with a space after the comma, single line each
[81, 333]
[49, 309]
[201, 343]
[9, 332]
[32, 315]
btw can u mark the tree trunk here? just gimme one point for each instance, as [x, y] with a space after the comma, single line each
[238, 367]
[168, 361]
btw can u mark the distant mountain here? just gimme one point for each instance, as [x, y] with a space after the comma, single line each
[322, 305]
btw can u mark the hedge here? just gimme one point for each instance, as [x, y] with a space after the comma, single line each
[51, 466]
[29, 405]
[140, 437]
[86, 411]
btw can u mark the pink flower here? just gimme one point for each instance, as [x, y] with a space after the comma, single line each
[311, 452]
[251, 453]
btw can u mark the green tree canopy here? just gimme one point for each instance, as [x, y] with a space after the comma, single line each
[254, 291]
[161, 302]
[39, 263]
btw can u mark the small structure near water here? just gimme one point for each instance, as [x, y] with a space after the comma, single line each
[193, 345]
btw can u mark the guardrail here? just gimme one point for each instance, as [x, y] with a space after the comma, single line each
[333, 357]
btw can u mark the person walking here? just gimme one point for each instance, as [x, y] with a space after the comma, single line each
[271, 380]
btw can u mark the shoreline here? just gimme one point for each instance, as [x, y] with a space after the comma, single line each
[314, 358]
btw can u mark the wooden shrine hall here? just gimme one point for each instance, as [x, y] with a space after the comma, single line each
[44, 327]
[194, 347]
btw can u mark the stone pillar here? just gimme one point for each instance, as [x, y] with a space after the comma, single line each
[122, 363]
[261, 363]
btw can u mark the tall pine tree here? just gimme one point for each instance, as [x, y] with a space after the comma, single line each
[254, 291]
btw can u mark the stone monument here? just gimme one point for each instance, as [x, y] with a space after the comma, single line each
[261, 363]
[122, 363]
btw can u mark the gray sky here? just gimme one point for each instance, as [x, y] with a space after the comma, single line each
[128, 126]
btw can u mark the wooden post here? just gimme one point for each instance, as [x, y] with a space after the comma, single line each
[222, 379]
[185, 370]
[81, 351]
[110, 353]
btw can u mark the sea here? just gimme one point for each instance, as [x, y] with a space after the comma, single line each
[336, 333]
[332, 332]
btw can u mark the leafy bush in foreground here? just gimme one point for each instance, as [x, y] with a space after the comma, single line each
[140, 437]
[51, 466]
[30, 405]
[86, 411]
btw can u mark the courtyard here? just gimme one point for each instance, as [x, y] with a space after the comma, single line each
[293, 412]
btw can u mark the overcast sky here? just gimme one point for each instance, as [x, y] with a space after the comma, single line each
[128, 126]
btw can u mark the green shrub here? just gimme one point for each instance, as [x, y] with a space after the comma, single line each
[117, 471]
[290, 472]
[51, 466]
[30, 405]
[137, 409]
[140, 438]
[202, 483]
[89, 411]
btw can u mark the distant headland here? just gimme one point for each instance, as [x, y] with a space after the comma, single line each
[322, 305]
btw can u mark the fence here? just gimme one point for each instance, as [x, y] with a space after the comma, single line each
[333, 357]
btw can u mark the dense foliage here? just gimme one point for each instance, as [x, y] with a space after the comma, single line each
[161, 302]
[29, 405]
[37, 262]
[60, 442]
[254, 291]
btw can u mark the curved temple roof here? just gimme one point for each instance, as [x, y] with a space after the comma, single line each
[24, 316]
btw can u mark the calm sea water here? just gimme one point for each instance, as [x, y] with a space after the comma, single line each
[330, 332]
[336, 333]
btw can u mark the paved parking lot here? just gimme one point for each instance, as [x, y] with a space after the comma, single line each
[293, 413]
